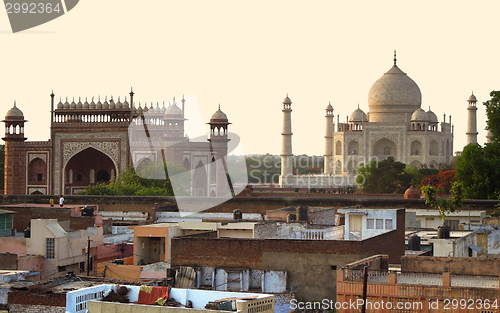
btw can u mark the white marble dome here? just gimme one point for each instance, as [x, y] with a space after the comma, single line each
[392, 96]
[432, 116]
[358, 116]
[419, 116]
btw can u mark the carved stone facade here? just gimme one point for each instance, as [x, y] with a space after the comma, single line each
[91, 143]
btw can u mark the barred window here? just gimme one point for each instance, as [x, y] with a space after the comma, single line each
[50, 248]
[379, 224]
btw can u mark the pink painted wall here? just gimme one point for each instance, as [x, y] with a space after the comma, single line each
[13, 245]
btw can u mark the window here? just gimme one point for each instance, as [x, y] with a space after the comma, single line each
[387, 150]
[370, 223]
[379, 224]
[388, 224]
[452, 224]
[39, 177]
[50, 244]
[61, 268]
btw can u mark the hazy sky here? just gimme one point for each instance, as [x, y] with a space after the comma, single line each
[248, 55]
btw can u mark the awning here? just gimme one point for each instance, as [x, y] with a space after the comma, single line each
[475, 248]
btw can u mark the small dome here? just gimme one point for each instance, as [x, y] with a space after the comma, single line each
[14, 112]
[358, 116]
[412, 193]
[163, 109]
[125, 104]
[98, 104]
[420, 116]
[105, 105]
[112, 104]
[173, 110]
[60, 105]
[472, 98]
[329, 107]
[86, 104]
[432, 117]
[287, 100]
[66, 104]
[92, 104]
[79, 105]
[157, 109]
[73, 104]
[139, 109]
[219, 115]
[118, 105]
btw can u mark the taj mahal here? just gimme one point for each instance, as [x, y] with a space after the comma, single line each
[396, 125]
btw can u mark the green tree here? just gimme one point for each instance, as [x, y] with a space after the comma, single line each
[493, 114]
[150, 181]
[478, 171]
[445, 206]
[387, 176]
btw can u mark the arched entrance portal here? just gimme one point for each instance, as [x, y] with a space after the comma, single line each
[86, 168]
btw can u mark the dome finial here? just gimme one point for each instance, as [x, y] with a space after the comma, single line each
[14, 103]
[219, 106]
[395, 57]
[358, 105]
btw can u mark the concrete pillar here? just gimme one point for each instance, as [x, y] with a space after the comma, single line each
[472, 120]
[329, 166]
[392, 278]
[286, 146]
[446, 280]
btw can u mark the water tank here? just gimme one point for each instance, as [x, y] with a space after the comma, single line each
[237, 214]
[443, 232]
[27, 233]
[414, 242]
[291, 218]
[118, 261]
[302, 213]
[87, 211]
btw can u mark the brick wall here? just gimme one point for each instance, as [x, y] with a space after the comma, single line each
[8, 261]
[472, 266]
[234, 252]
[22, 308]
[26, 297]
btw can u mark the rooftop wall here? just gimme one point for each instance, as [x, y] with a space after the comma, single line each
[471, 266]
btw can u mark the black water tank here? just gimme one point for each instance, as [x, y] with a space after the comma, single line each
[237, 214]
[414, 242]
[443, 232]
[27, 233]
[302, 213]
[87, 211]
[291, 218]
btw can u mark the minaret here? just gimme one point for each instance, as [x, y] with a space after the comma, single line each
[329, 140]
[218, 145]
[286, 146]
[15, 155]
[471, 120]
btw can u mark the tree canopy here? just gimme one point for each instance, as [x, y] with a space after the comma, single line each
[134, 184]
[478, 170]
[387, 176]
[445, 206]
[493, 114]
